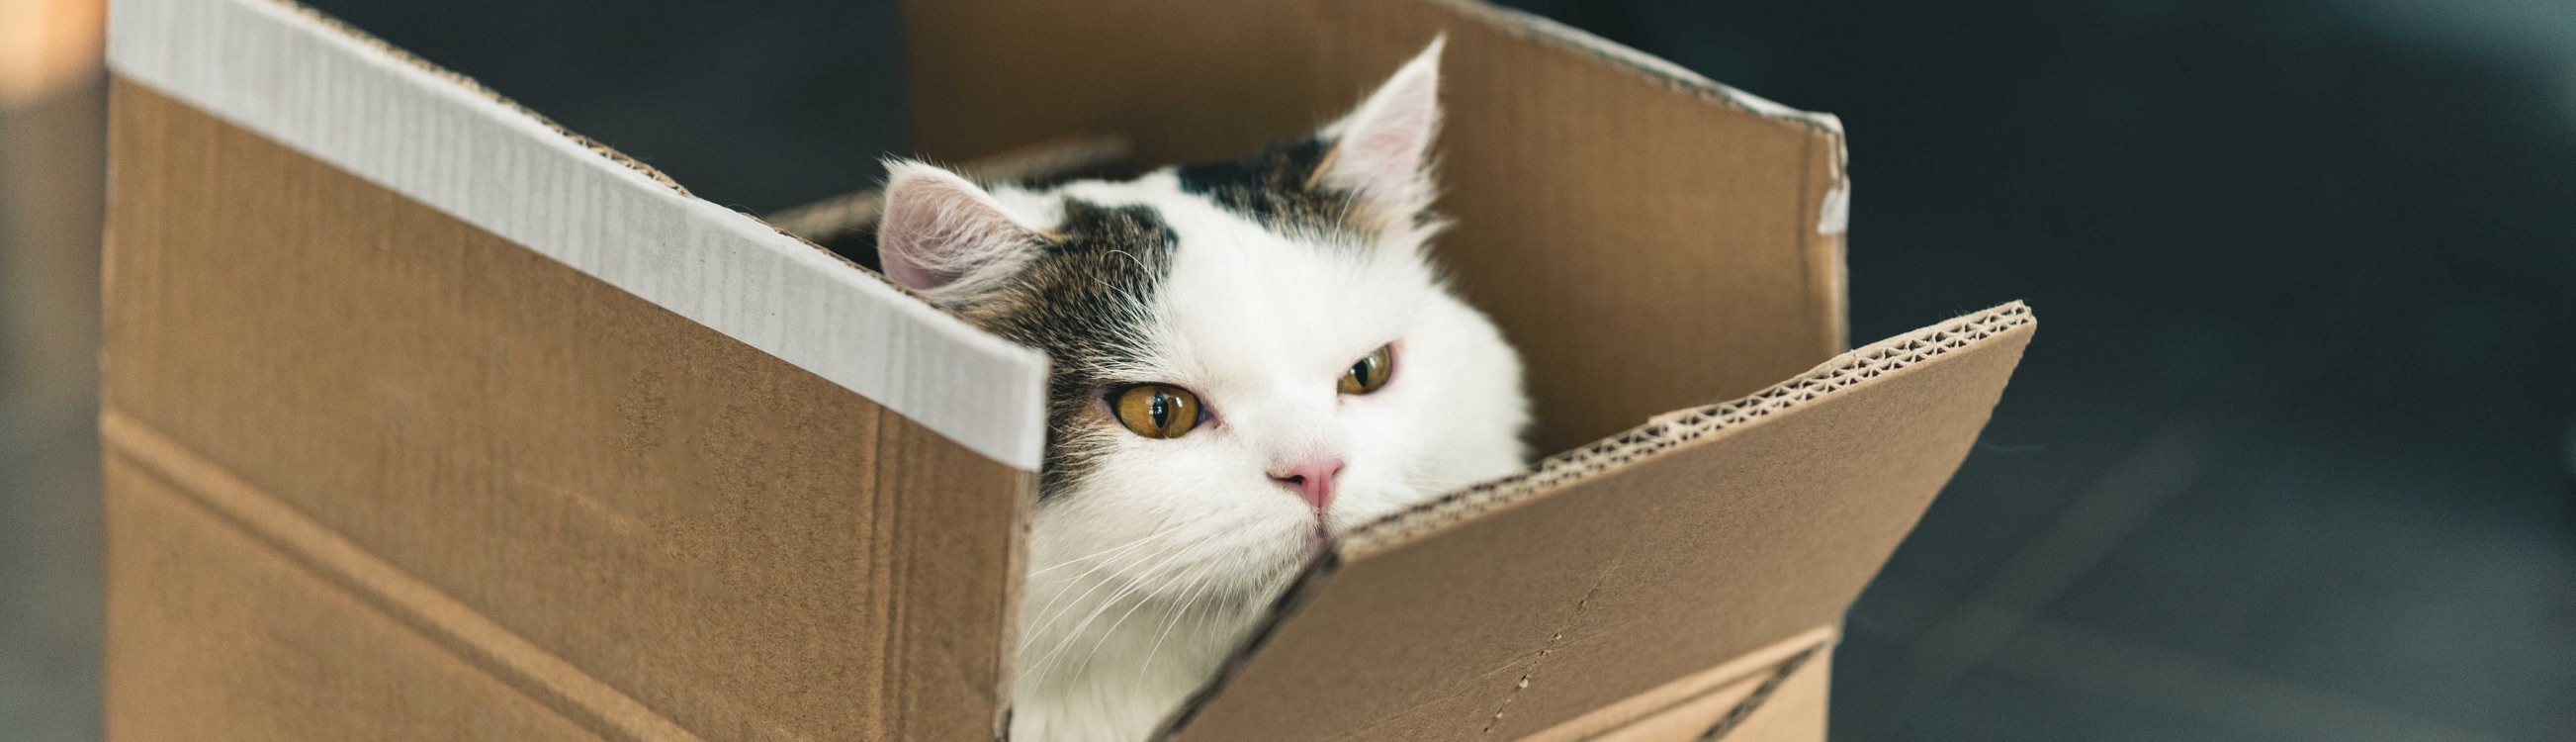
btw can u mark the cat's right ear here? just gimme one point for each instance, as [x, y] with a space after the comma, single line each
[946, 237]
[1382, 150]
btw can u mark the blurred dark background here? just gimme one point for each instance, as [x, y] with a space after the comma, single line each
[2291, 461]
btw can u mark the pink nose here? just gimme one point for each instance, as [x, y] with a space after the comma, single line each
[1313, 481]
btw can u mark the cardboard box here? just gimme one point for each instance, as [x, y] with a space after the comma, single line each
[429, 420]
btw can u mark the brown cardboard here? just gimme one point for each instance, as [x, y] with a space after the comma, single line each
[255, 631]
[1612, 570]
[614, 462]
[731, 541]
[1701, 701]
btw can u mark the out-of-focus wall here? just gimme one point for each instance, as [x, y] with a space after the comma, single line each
[52, 153]
[48, 45]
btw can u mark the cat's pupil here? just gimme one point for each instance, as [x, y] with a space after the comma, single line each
[1161, 409]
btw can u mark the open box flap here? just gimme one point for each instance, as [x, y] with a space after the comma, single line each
[1507, 608]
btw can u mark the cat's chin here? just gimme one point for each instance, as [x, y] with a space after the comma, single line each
[1259, 582]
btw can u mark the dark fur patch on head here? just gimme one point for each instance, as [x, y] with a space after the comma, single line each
[1276, 188]
[1084, 300]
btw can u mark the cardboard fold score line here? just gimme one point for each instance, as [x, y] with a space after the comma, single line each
[1741, 687]
[1753, 701]
[452, 624]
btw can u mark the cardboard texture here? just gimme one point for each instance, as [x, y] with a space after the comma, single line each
[1610, 571]
[261, 632]
[730, 540]
[430, 420]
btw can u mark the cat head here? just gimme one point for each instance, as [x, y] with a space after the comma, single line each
[1248, 356]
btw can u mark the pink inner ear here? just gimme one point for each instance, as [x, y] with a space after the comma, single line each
[905, 235]
[1386, 155]
[1383, 145]
[939, 228]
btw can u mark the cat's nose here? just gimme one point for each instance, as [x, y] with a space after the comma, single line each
[1313, 480]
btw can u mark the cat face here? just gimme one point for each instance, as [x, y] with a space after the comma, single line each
[1249, 356]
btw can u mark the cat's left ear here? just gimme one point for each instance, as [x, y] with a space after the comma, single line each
[1382, 150]
[946, 237]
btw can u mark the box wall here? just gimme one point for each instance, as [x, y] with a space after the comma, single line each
[725, 538]
[214, 637]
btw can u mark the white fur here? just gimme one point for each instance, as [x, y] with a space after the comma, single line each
[1147, 575]
[1146, 572]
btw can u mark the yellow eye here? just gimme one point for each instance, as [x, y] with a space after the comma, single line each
[1370, 372]
[1157, 411]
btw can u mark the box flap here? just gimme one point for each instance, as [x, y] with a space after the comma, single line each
[1603, 573]
[1650, 239]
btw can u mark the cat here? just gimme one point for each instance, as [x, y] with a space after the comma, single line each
[1249, 357]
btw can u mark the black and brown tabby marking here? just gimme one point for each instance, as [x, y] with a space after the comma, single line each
[1277, 189]
[1084, 300]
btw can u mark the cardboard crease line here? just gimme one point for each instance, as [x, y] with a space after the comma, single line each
[477, 639]
[1761, 693]
[1609, 722]
[1540, 663]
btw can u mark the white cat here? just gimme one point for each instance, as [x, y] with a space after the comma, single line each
[1249, 357]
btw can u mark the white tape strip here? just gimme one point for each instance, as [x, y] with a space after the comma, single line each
[294, 78]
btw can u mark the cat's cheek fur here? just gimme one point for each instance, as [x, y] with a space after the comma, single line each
[1451, 360]
[1256, 288]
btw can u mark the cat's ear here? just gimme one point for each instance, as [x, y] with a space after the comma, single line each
[944, 236]
[1382, 150]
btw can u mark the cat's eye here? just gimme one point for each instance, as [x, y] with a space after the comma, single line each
[1156, 410]
[1370, 372]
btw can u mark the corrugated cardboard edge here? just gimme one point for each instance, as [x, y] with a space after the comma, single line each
[1743, 710]
[1775, 661]
[1673, 429]
[1660, 435]
[353, 101]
